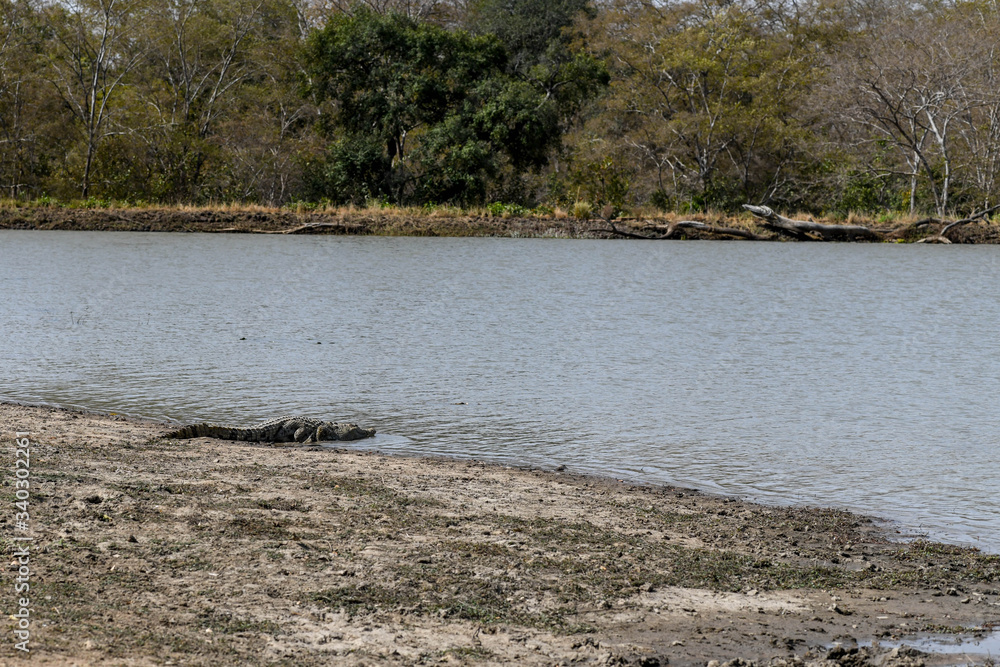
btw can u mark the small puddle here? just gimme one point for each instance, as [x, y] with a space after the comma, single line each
[984, 644]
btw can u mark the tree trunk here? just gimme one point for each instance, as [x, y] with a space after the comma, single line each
[85, 189]
[941, 238]
[670, 231]
[807, 230]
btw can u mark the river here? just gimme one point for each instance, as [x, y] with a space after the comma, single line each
[865, 377]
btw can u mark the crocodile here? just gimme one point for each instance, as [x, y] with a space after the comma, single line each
[280, 429]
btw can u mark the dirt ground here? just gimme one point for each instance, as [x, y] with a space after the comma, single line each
[206, 552]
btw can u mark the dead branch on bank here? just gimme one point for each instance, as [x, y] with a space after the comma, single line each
[671, 230]
[322, 227]
[807, 230]
[941, 238]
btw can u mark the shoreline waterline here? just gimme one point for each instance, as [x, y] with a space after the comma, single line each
[446, 222]
[894, 529]
[355, 556]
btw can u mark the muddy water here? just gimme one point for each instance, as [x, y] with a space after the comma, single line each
[858, 376]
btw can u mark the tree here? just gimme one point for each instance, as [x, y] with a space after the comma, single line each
[267, 133]
[539, 39]
[917, 85]
[526, 27]
[95, 49]
[422, 10]
[978, 131]
[420, 113]
[705, 96]
[20, 96]
[200, 56]
[905, 82]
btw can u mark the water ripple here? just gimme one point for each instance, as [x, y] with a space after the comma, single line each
[821, 374]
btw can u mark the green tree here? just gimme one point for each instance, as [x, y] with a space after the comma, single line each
[543, 48]
[705, 97]
[419, 113]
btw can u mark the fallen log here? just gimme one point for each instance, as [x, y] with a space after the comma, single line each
[673, 227]
[985, 213]
[808, 230]
[670, 231]
[941, 236]
[322, 228]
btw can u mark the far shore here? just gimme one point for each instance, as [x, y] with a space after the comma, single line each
[207, 552]
[445, 221]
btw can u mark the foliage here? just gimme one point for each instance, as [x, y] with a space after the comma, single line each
[420, 113]
[538, 37]
[839, 106]
[704, 97]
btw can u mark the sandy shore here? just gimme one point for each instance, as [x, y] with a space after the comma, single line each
[207, 552]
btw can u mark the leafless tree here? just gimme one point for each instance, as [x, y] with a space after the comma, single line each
[438, 11]
[13, 99]
[907, 82]
[97, 47]
[201, 53]
[978, 132]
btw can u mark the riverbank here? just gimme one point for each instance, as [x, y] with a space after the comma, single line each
[445, 222]
[150, 551]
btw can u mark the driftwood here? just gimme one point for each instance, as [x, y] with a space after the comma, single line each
[322, 227]
[972, 218]
[941, 238]
[308, 228]
[806, 230]
[624, 234]
[671, 230]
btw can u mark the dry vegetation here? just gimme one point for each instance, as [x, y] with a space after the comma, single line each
[436, 221]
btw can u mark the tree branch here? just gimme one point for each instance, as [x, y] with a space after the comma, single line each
[807, 229]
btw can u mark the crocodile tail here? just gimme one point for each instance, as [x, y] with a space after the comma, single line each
[185, 432]
[200, 431]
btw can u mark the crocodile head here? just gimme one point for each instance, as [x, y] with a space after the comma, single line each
[342, 431]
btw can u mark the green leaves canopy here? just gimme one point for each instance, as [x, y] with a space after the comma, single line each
[417, 112]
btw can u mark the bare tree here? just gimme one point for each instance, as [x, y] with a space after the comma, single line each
[438, 11]
[14, 134]
[267, 141]
[907, 82]
[202, 56]
[978, 131]
[96, 49]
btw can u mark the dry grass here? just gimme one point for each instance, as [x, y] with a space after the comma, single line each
[582, 220]
[577, 210]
